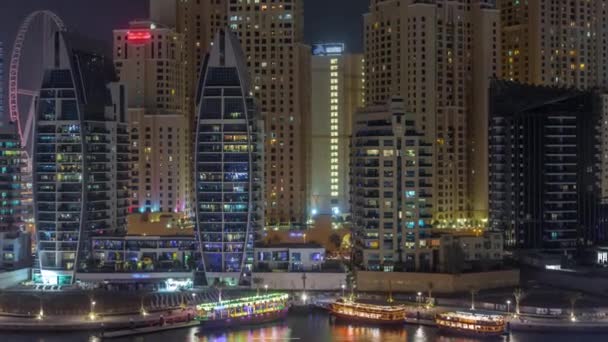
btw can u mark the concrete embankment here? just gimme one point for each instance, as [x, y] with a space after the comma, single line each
[558, 326]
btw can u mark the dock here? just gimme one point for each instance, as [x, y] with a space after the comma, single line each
[147, 330]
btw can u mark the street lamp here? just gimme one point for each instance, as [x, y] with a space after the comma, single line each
[508, 306]
[304, 297]
[92, 313]
[419, 298]
[343, 287]
[266, 288]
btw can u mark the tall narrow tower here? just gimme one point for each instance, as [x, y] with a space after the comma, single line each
[80, 161]
[228, 164]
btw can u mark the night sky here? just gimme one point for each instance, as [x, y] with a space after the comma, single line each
[325, 20]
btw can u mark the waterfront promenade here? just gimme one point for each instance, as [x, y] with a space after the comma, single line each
[119, 310]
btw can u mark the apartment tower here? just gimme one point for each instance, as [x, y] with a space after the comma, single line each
[561, 43]
[439, 56]
[545, 166]
[80, 161]
[392, 202]
[271, 34]
[149, 59]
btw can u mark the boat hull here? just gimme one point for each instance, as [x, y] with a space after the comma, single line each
[469, 333]
[365, 321]
[245, 320]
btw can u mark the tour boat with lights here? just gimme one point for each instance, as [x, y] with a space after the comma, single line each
[351, 311]
[471, 324]
[243, 311]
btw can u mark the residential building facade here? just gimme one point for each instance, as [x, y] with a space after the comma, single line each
[150, 61]
[271, 34]
[11, 165]
[555, 43]
[439, 56]
[545, 167]
[392, 204]
[80, 161]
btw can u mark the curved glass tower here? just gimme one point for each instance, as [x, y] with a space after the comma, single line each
[229, 164]
[79, 162]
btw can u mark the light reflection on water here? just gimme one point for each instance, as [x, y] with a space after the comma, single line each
[314, 327]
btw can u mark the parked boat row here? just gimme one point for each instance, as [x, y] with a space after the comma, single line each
[459, 323]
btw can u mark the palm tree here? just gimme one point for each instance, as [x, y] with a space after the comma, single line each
[473, 292]
[257, 281]
[519, 294]
[574, 297]
[219, 284]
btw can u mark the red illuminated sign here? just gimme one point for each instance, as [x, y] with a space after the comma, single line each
[139, 37]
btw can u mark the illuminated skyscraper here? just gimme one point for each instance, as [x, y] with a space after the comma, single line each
[149, 59]
[546, 180]
[80, 161]
[271, 34]
[392, 200]
[439, 56]
[562, 43]
[2, 113]
[229, 164]
[337, 92]
[11, 163]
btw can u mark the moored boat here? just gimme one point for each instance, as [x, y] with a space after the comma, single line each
[243, 311]
[471, 324]
[348, 310]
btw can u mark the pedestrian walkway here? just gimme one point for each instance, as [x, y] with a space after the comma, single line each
[75, 323]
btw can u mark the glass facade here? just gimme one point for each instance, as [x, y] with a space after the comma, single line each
[58, 174]
[80, 163]
[10, 179]
[229, 165]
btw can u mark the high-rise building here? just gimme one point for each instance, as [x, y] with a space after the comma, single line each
[150, 62]
[11, 164]
[271, 34]
[80, 161]
[545, 166]
[439, 56]
[337, 93]
[229, 164]
[197, 21]
[392, 206]
[2, 112]
[562, 43]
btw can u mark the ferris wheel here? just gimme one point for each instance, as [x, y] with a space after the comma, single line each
[22, 101]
